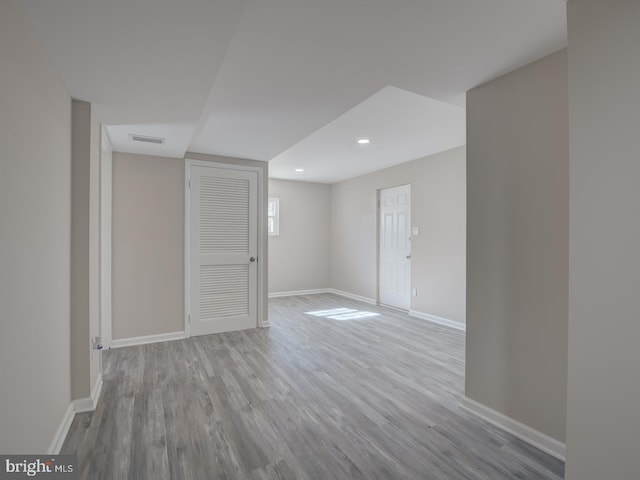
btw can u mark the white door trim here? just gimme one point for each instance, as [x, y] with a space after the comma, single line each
[187, 236]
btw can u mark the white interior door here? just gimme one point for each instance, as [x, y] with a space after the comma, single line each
[223, 250]
[395, 247]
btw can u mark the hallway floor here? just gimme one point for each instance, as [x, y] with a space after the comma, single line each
[352, 391]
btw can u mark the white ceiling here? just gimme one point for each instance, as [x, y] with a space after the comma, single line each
[267, 79]
[176, 138]
[401, 126]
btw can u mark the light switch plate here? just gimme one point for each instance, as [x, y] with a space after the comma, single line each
[415, 231]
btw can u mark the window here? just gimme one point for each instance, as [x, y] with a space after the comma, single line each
[273, 216]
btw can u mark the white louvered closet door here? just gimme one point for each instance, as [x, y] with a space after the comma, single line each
[223, 237]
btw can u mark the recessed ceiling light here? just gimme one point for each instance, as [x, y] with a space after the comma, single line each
[364, 141]
[299, 170]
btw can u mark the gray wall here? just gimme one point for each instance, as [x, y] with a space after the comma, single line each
[94, 356]
[438, 254]
[604, 322]
[517, 244]
[35, 224]
[300, 257]
[148, 245]
[85, 243]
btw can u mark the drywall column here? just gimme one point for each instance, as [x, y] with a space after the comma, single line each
[85, 242]
[35, 219]
[106, 208]
[517, 245]
[604, 304]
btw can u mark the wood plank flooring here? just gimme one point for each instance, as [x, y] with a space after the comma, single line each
[310, 398]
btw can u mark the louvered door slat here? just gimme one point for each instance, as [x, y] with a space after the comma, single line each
[224, 215]
[224, 291]
[224, 238]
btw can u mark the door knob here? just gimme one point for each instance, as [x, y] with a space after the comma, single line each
[252, 259]
[408, 256]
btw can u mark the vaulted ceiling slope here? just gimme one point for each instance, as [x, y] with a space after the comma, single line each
[252, 78]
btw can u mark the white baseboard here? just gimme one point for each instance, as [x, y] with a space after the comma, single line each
[89, 404]
[61, 433]
[533, 437]
[439, 320]
[163, 337]
[352, 296]
[80, 405]
[298, 292]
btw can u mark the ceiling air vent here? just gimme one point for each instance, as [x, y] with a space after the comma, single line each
[144, 138]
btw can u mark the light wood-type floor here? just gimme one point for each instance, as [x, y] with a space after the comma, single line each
[310, 398]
